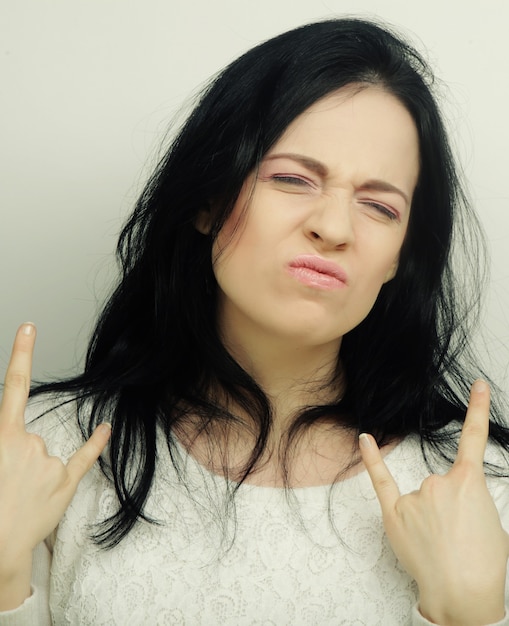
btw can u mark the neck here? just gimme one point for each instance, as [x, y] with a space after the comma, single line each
[292, 375]
[295, 373]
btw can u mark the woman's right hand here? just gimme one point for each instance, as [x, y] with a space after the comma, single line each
[35, 488]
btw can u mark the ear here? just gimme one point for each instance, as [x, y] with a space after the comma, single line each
[392, 271]
[203, 221]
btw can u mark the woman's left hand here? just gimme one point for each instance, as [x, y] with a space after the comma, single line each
[448, 535]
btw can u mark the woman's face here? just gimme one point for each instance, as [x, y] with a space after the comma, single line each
[318, 230]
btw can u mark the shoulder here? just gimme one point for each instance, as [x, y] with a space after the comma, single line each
[415, 458]
[55, 419]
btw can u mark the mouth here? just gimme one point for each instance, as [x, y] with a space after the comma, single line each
[315, 271]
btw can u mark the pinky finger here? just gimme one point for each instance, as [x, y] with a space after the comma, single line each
[83, 460]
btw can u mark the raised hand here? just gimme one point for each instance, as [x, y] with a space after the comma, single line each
[448, 535]
[35, 488]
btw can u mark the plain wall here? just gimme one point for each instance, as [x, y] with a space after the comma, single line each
[88, 90]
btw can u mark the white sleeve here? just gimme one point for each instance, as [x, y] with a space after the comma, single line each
[35, 609]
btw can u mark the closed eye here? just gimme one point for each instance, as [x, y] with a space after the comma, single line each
[291, 180]
[384, 210]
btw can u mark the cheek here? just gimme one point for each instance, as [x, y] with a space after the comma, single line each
[235, 223]
[228, 238]
[242, 237]
[230, 252]
[380, 264]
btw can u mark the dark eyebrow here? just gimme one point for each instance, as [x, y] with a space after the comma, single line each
[382, 185]
[322, 170]
[311, 164]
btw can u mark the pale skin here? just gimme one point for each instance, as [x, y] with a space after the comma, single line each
[447, 535]
[35, 488]
[338, 185]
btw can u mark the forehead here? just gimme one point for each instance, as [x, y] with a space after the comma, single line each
[357, 131]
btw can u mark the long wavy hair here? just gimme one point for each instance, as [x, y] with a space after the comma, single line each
[155, 354]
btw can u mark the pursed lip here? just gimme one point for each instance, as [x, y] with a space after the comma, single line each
[320, 265]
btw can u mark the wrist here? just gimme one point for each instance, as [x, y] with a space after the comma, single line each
[15, 583]
[471, 612]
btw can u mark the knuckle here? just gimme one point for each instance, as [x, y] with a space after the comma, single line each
[475, 429]
[83, 462]
[17, 381]
[24, 345]
[79, 465]
[468, 465]
[56, 465]
[36, 444]
[468, 472]
[384, 483]
[431, 483]
[402, 505]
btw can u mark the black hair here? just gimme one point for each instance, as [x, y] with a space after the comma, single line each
[155, 357]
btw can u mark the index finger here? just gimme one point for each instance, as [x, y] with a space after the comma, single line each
[384, 484]
[474, 434]
[17, 377]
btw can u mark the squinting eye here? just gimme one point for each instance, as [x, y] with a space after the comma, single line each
[392, 215]
[291, 180]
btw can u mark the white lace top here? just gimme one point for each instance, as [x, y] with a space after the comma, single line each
[321, 559]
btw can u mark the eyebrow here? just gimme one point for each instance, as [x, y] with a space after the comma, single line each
[322, 170]
[384, 186]
[308, 162]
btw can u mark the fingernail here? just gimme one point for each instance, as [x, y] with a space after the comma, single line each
[28, 328]
[480, 386]
[106, 426]
[364, 441]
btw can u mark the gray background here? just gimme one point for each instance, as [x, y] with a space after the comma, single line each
[87, 92]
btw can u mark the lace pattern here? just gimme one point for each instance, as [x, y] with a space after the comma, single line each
[287, 564]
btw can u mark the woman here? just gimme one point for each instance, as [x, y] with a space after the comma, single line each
[287, 285]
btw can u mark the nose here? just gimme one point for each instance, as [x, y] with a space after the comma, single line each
[330, 222]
